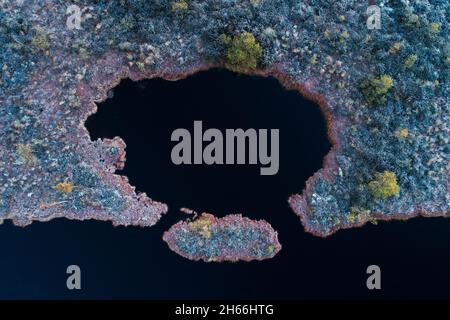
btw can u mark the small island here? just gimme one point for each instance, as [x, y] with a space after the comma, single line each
[229, 239]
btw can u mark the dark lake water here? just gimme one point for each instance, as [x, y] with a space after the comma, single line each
[119, 262]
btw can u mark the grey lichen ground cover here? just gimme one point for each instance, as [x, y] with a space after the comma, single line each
[384, 93]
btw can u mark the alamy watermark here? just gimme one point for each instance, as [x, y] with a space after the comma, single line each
[235, 151]
[374, 280]
[76, 17]
[73, 281]
[373, 17]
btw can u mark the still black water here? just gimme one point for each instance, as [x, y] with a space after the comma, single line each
[134, 262]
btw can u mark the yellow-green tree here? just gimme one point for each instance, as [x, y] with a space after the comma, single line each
[375, 89]
[243, 52]
[180, 5]
[384, 185]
